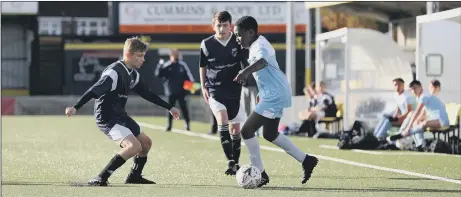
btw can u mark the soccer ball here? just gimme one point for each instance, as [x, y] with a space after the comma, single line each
[248, 176]
[404, 143]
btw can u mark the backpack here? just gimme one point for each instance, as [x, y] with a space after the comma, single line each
[455, 145]
[439, 146]
[357, 138]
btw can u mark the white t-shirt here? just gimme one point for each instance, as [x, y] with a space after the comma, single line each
[403, 100]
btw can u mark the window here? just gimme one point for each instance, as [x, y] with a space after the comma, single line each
[434, 65]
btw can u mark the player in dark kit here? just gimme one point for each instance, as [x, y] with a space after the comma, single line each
[111, 94]
[221, 58]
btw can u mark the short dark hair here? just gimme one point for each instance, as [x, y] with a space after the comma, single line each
[435, 83]
[222, 16]
[247, 22]
[415, 83]
[313, 85]
[399, 80]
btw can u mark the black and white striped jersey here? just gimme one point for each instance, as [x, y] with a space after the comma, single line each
[223, 60]
[111, 93]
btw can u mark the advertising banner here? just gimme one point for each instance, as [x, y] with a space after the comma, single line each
[196, 17]
[19, 7]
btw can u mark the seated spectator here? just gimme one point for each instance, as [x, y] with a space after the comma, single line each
[405, 105]
[309, 92]
[325, 106]
[430, 113]
[434, 87]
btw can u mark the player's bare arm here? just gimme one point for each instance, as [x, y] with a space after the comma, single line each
[243, 74]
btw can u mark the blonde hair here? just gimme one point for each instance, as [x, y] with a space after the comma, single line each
[135, 44]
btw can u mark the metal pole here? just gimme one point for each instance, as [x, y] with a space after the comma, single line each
[290, 50]
[110, 17]
[307, 48]
[318, 30]
[432, 6]
[347, 92]
[391, 31]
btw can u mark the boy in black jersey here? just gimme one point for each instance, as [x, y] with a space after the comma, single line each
[111, 94]
[221, 58]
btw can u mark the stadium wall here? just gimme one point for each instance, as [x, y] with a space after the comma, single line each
[55, 105]
[85, 58]
[136, 106]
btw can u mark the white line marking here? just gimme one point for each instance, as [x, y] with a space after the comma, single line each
[391, 153]
[156, 127]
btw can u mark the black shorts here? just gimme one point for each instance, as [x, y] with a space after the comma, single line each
[119, 128]
[235, 111]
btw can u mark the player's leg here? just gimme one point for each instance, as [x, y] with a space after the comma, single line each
[235, 132]
[130, 147]
[214, 126]
[383, 126]
[172, 101]
[236, 144]
[135, 176]
[220, 113]
[312, 115]
[418, 132]
[253, 123]
[271, 134]
[185, 111]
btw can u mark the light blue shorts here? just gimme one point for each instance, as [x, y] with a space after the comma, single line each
[269, 111]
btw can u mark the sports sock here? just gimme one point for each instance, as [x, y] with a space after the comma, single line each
[226, 141]
[255, 152]
[113, 165]
[138, 165]
[236, 146]
[286, 144]
[396, 137]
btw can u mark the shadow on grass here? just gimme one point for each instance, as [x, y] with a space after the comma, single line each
[372, 189]
[71, 183]
[313, 189]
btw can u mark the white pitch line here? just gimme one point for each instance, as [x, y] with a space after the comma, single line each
[392, 153]
[157, 127]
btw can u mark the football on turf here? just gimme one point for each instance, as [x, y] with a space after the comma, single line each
[404, 143]
[248, 176]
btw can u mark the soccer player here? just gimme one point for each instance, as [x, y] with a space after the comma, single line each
[111, 94]
[274, 95]
[221, 58]
[430, 113]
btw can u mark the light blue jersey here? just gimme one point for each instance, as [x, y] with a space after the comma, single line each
[435, 108]
[274, 90]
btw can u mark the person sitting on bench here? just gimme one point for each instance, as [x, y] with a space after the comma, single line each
[309, 92]
[326, 107]
[430, 113]
[405, 105]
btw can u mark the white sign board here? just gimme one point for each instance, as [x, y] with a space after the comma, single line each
[19, 7]
[201, 13]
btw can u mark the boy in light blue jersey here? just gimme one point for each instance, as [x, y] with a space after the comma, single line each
[274, 96]
[430, 113]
